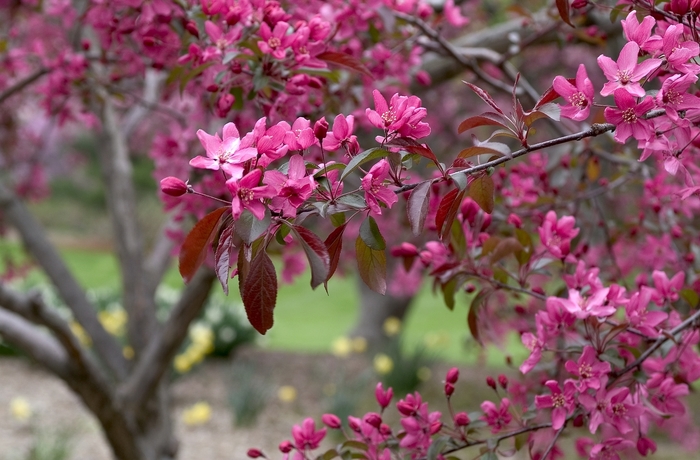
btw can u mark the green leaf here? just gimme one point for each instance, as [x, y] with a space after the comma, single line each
[690, 296]
[259, 292]
[370, 234]
[417, 207]
[194, 249]
[374, 153]
[372, 266]
[249, 228]
[436, 447]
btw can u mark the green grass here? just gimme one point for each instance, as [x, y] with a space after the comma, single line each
[309, 321]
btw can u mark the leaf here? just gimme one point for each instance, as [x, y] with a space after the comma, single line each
[330, 455]
[549, 110]
[316, 253]
[347, 61]
[372, 266]
[259, 292]
[417, 206]
[243, 269]
[370, 234]
[368, 155]
[249, 228]
[412, 146]
[481, 191]
[447, 211]
[484, 149]
[486, 97]
[472, 316]
[194, 249]
[504, 248]
[485, 119]
[550, 95]
[222, 257]
[564, 11]
[690, 296]
[458, 241]
[334, 246]
[436, 447]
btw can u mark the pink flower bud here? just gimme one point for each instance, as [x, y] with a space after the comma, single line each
[449, 389]
[491, 382]
[405, 408]
[385, 429]
[578, 421]
[173, 186]
[503, 381]
[354, 423]
[373, 419]
[435, 427]
[515, 221]
[213, 88]
[579, 4]
[645, 446]
[452, 375]
[331, 421]
[224, 104]
[469, 288]
[321, 129]
[383, 397]
[423, 78]
[255, 453]
[286, 447]
[461, 419]
[191, 27]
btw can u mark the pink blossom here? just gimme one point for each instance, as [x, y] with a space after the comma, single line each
[579, 97]
[639, 317]
[608, 449]
[401, 115]
[497, 417]
[561, 402]
[275, 42]
[227, 154]
[582, 307]
[342, 136]
[300, 136]
[620, 409]
[665, 398]
[453, 15]
[588, 369]
[247, 194]
[667, 290]
[674, 95]
[306, 436]
[678, 52]
[641, 33]
[383, 397]
[375, 190]
[626, 73]
[293, 189]
[628, 117]
[556, 235]
[534, 343]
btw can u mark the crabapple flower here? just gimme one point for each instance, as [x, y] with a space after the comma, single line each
[497, 417]
[300, 136]
[383, 397]
[453, 15]
[665, 398]
[342, 136]
[640, 33]
[556, 235]
[667, 290]
[306, 436]
[626, 73]
[588, 369]
[678, 53]
[247, 194]
[275, 42]
[535, 344]
[583, 307]
[561, 402]
[674, 96]
[226, 153]
[374, 189]
[627, 117]
[620, 409]
[293, 189]
[401, 116]
[639, 317]
[608, 449]
[579, 97]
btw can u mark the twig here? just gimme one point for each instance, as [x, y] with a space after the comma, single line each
[20, 85]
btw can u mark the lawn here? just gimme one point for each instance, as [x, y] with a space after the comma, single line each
[309, 321]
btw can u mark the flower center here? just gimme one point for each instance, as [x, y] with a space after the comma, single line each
[673, 97]
[619, 410]
[274, 42]
[389, 116]
[558, 400]
[246, 195]
[624, 76]
[585, 371]
[578, 100]
[628, 116]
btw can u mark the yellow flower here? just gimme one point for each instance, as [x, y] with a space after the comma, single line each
[182, 363]
[341, 347]
[198, 414]
[359, 344]
[383, 364]
[424, 374]
[20, 409]
[392, 326]
[80, 334]
[287, 393]
[128, 352]
[114, 321]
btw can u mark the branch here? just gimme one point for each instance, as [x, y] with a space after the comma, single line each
[158, 355]
[121, 200]
[38, 244]
[20, 85]
[159, 258]
[40, 346]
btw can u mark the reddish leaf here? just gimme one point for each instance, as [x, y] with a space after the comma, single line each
[481, 191]
[417, 207]
[243, 269]
[504, 248]
[412, 146]
[372, 266]
[447, 211]
[478, 150]
[564, 11]
[345, 60]
[194, 249]
[334, 245]
[316, 253]
[259, 292]
[486, 97]
[550, 95]
[370, 234]
[223, 256]
[485, 119]
[472, 317]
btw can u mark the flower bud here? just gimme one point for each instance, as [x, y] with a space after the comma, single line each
[331, 421]
[286, 447]
[449, 389]
[645, 446]
[503, 381]
[383, 397]
[491, 382]
[385, 429]
[435, 427]
[191, 27]
[405, 408]
[373, 419]
[321, 129]
[423, 78]
[224, 104]
[515, 221]
[461, 419]
[452, 376]
[255, 453]
[354, 423]
[173, 186]
[578, 421]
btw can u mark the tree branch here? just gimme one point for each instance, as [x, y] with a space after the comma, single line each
[159, 258]
[158, 355]
[20, 85]
[40, 346]
[38, 244]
